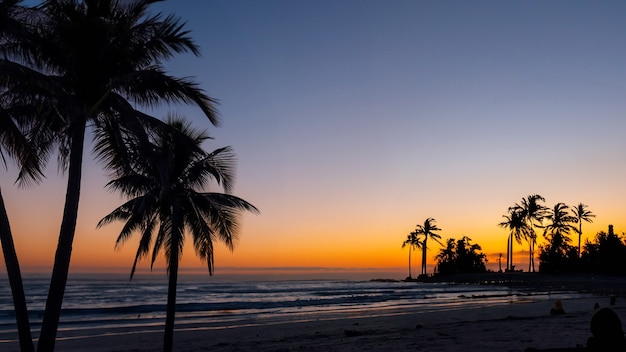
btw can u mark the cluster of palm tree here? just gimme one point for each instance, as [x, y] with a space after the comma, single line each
[522, 219]
[557, 251]
[68, 68]
[605, 254]
[461, 256]
[418, 239]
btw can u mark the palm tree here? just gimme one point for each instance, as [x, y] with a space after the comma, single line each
[461, 256]
[165, 183]
[582, 214]
[516, 224]
[15, 281]
[427, 230]
[557, 255]
[533, 212]
[412, 240]
[85, 63]
[446, 259]
[561, 222]
[14, 143]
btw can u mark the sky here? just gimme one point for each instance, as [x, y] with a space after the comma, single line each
[355, 120]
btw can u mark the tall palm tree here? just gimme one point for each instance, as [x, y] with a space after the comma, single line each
[165, 183]
[582, 214]
[428, 231]
[516, 224]
[413, 241]
[14, 142]
[533, 213]
[87, 62]
[15, 281]
[556, 255]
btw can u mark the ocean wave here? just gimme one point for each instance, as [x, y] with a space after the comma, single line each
[108, 301]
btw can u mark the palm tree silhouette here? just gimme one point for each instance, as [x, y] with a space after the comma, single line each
[15, 281]
[561, 222]
[533, 212]
[516, 224]
[447, 256]
[427, 230]
[412, 240]
[85, 63]
[558, 252]
[165, 181]
[582, 214]
[14, 143]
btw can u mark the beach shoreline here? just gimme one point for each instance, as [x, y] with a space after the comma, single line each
[514, 323]
[513, 327]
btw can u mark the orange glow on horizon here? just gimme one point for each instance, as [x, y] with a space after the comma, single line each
[368, 239]
[94, 251]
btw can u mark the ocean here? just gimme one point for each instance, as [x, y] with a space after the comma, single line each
[102, 301]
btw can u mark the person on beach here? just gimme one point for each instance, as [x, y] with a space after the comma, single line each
[558, 308]
[608, 335]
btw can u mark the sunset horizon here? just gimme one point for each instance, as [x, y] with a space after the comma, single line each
[312, 175]
[348, 135]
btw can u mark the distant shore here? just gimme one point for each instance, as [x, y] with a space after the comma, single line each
[584, 283]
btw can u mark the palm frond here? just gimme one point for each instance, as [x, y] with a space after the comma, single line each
[202, 234]
[169, 168]
[153, 86]
[15, 142]
[134, 223]
[158, 244]
[134, 185]
[219, 165]
[118, 214]
[144, 243]
[203, 245]
[222, 212]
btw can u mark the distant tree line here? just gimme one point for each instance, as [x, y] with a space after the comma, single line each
[458, 256]
[606, 254]
[461, 256]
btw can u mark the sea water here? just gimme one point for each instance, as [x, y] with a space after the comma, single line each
[112, 301]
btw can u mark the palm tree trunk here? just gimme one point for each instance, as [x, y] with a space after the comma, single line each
[410, 250]
[531, 249]
[508, 252]
[580, 233]
[63, 254]
[168, 338]
[15, 281]
[176, 237]
[532, 255]
[424, 256]
[512, 267]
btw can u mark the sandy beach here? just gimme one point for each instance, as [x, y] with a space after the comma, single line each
[513, 313]
[507, 327]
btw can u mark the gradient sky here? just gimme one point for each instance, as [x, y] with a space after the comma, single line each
[355, 120]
